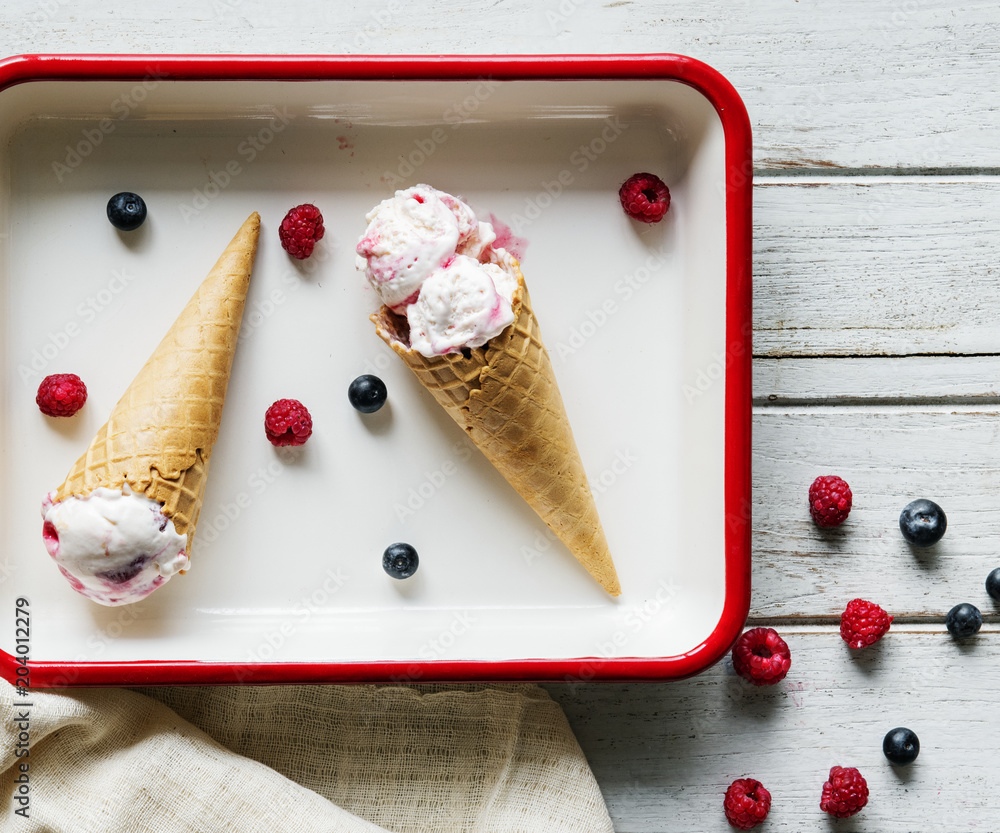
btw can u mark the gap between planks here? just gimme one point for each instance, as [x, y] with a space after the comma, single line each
[939, 404]
[876, 406]
[806, 625]
[873, 176]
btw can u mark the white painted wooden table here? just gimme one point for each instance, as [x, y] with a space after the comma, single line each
[877, 357]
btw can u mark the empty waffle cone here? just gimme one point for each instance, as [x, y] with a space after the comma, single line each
[504, 395]
[159, 437]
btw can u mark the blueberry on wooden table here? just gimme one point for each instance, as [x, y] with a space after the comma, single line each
[901, 746]
[923, 523]
[964, 620]
[993, 584]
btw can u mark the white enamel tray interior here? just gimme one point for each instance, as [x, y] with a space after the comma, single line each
[287, 562]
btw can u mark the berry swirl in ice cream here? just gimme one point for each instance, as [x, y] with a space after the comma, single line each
[430, 260]
[113, 546]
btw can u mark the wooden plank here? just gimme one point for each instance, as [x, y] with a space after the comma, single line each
[855, 266]
[664, 754]
[880, 380]
[852, 84]
[888, 456]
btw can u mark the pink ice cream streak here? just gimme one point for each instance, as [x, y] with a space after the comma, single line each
[429, 258]
[112, 546]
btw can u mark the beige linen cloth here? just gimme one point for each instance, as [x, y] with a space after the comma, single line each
[299, 758]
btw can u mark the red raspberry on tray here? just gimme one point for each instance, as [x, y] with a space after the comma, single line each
[301, 228]
[830, 501]
[845, 793]
[61, 395]
[747, 803]
[287, 422]
[645, 197]
[761, 656]
[863, 623]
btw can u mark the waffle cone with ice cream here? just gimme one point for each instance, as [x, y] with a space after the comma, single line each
[158, 440]
[503, 394]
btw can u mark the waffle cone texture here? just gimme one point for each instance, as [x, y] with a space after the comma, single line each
[505, 397]
[159, 436]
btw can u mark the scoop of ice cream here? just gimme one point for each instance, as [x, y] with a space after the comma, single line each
[113, 546]
[459, 306]
[430, 259]
[413, 234]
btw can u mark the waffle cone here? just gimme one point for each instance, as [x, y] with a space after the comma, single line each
[159, 436]
[504, 395]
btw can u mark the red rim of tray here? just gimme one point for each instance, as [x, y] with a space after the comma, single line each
[738, 161]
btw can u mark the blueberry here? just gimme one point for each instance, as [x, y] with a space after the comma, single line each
[964, 620]
[126, 211]
[367, 393]
[993, 584]
[901, 746]
[922, 523]
[400, 560]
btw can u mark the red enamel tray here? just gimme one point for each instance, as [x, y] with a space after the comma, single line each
[648, 326]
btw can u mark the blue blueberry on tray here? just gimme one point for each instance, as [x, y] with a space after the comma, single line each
[993, 584]
[901, 746]
[367, 393]
[964, 620]
[126, 211]
[400, 560]
[922, 523]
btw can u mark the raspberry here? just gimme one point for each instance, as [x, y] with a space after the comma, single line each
[830, 501]
[301, 228]
[863, 623]
[287, 422]
[645, 197]
[747, 803]
[61, 394]
[845, 793]
[761, 656]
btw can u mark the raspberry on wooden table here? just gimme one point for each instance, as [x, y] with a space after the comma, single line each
[845, 793]
[863, 623]
[747, 803]
[830, 501]
[761, 656]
